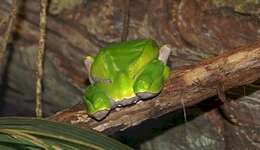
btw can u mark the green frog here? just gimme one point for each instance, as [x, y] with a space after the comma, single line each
[124, 73]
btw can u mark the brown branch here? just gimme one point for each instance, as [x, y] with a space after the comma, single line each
[235, 68]
[40, 58]
[7, 35]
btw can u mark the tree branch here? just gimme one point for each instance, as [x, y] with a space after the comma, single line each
[40, 58]
[7, 35]
[194, 84]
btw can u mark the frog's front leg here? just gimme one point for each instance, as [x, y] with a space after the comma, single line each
[151, 79]
[97, 102]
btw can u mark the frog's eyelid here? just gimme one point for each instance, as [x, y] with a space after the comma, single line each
[164, 54]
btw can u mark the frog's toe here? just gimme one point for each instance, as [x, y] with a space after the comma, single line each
[100, 114]
[146, 95]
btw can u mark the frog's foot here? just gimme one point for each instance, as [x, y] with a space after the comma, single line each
[146, 87]
[96, 111]
[100, 114]
[88, 63]
[98, 104]
[146, 95]
[126, 101]
[149, 83]
[165, 51]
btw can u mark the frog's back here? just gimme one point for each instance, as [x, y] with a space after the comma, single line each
[125, 53]
[128, 57]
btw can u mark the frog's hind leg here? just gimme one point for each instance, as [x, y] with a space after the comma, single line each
[150, 81]
[98, 104]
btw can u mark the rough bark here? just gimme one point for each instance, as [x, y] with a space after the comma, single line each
[77, 29]
[197, 29]
[190, 86]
